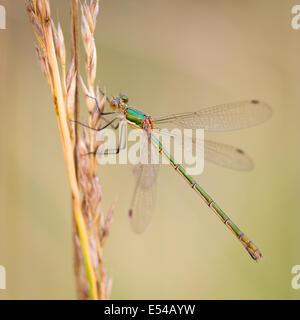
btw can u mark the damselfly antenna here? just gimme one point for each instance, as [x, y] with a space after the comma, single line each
[103, 93]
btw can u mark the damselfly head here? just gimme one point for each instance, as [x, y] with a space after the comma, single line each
[118, 102]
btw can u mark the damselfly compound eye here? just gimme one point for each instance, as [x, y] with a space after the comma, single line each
[113, 103]
[124, 98]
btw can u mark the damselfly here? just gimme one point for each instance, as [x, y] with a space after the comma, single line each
[224, 117]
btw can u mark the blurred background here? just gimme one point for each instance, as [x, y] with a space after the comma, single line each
[168, 56]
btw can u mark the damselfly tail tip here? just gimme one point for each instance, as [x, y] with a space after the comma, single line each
[255, 254]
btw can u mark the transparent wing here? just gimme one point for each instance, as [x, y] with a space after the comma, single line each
[218, 153]
[143, 199]
[227, 156]
[223, 117]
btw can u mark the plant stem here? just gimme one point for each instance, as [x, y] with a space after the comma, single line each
[74, 53]
[68, 152]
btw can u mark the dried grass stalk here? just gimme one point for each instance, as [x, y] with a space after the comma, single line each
[91, 228]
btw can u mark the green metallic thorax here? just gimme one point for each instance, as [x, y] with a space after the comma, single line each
[135, 116]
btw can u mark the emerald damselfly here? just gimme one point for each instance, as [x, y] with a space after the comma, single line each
[231, 116]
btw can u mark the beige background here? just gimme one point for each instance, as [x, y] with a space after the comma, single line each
[169, 56]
